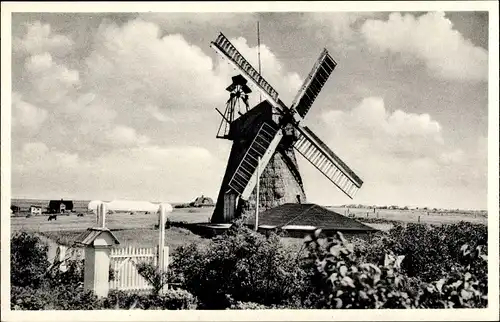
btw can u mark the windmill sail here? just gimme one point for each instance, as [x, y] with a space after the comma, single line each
[227, 49]
[263, 146]
[313, 84]
[327, 162]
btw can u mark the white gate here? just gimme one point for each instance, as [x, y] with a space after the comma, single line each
[124, 261]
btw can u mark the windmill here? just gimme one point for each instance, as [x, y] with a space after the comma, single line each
[271, 132]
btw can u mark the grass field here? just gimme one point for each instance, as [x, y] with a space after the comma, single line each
[427, 217]
[118, 221]
[138, 229]
[131, 230]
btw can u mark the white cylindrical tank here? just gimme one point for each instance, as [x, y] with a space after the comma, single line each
[132, 206]
[93, 205]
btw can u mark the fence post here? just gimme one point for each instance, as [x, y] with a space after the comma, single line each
[162, 218]
[161, 238]
[164, 264]
[101, 215]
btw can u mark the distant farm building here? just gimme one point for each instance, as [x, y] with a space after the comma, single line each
[298, 220]
[202, 201]
[60, 206]
[35, 210]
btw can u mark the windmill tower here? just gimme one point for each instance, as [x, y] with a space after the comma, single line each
[271, 132]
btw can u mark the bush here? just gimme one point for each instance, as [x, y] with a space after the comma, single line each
[38, 285]
[430, 251]
[248, 306]
[240, 265]
[169, 300]
[28, 298]
[177, 299]
[28, 260]
[340, 281]
[465, 286]
[71, 277]
[153, 275]
[60, 297]
[343, 280]
[416, 266]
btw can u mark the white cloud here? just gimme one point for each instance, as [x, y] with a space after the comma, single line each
[34, 149]
[158, 114]
[401, 134]
[171, 173]
[125, 136]
[339, 25]
[102, 132]
[452, 157]
[123, 121]
[395, 153]
[160, 71]
[50, 82]
[26, 115]
[39, 39]
[37, 160]
[137, 87]
[431, 38]
[285, 83]
[144, 173]
[199, 20]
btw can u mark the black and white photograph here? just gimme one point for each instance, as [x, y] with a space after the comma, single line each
[232, 161]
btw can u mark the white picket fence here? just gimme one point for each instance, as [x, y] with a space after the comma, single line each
[124, 260]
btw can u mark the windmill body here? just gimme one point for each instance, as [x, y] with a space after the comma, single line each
[270, 133]
[280, 181]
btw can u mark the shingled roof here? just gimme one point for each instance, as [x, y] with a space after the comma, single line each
[307, 215]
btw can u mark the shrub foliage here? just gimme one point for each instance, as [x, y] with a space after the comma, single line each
[406, 268]
[412, 266]
[38, 285]
[240, 266]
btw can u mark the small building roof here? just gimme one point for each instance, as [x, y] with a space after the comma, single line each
[55, 204]
[203, 200]
[89, 236]
[307, 216]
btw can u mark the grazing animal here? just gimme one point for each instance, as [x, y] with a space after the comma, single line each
[52, 217]
[79, 215]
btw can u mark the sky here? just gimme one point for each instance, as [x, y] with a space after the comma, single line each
[122, 106]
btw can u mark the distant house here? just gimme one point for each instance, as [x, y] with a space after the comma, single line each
[60, 206]
[202, 201]
[35, 210]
